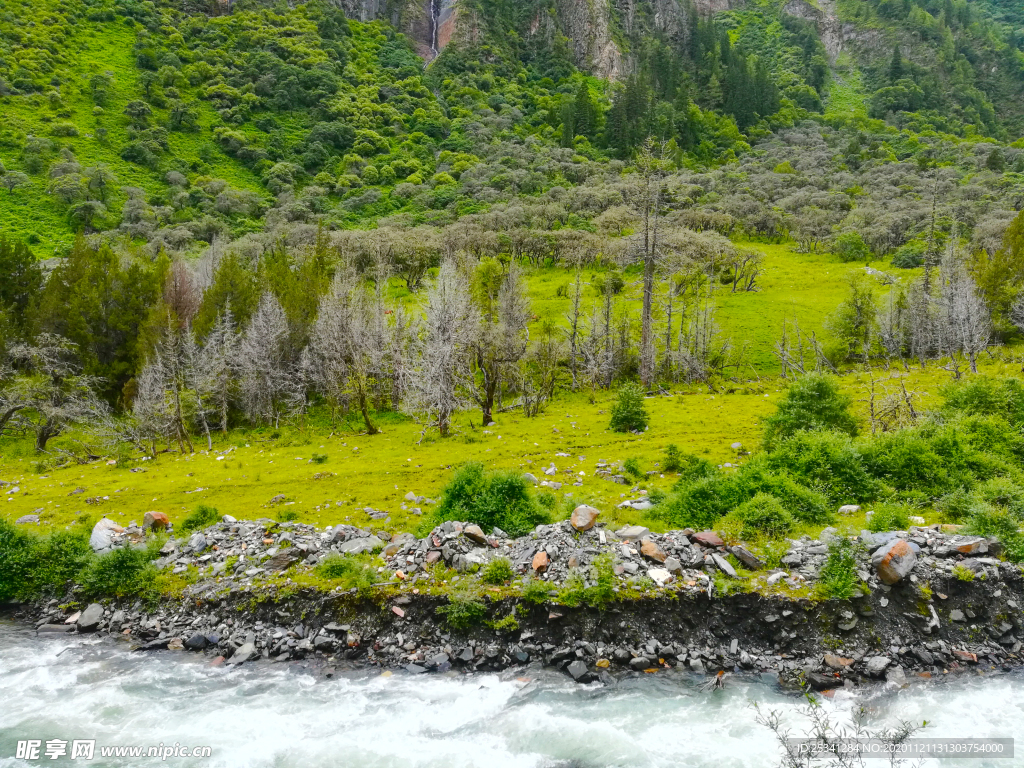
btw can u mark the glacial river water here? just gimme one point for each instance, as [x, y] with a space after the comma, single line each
[282, 716]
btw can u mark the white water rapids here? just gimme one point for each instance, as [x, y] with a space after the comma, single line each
[284, 716]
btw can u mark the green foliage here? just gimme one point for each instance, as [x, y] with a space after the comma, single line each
[536, 591]
[318, 458]
[16, 557]
[573, 591]
[826, 461]
[200, 517]
[986, 396]
[464, 610]
[349, 571]
[497, 571]
[287, 515]
[962, 573]
[850, 246]
[631, 467]
[125, 572]
[59, 559]
[507, 624]
[762, 516]
[989, 521]
[673, 460]
[812, 402]
[838, 577]
[499, 499]
[890, 517]
[628, 412]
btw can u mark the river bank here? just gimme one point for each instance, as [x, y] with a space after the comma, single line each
[671, 600]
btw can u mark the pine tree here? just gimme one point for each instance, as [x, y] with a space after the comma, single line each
[896, 65]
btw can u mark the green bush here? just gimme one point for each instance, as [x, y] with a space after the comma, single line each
[351, 571]
[287, 515]
[603, 574]
[806, 505]
[988, 521]
[962, 573]
[17, 550]
[631, 467]
[125, 572]
[890, 517]
[811, 402]
[498, 571]
[929, 458]
[838, 577]
[673, 461]
[547, 499]
[825, 461]
[536, 591]
[763, 516]
[319, 458]
[463, 610]
[956, 506]
[985, 396]
[574, 589]
[201, 517]
[628, 411]
[61, 558]
[499, 499]
[850, 246]
[699, 504]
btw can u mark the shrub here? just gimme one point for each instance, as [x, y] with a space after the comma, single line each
[125, 572]
[1003, 492]
[287, 515]
[910, 255]
[692, 468]
[699, 504]
[773, 551]
[812, 402]
[201, 517]
[574, 590]
[60, 558]
[499, 499]
[850, 246]
[547, 499]
[828, 462]
[498, 571]
[603, 574]
[16, 553]
[985, 396]
[962, 573]
[806, 505]
[319, 458]
[838, 576]
[956, 505]
[536, 591]
[463, 610]
[631, 467]
[889, 517]
[350, 571]
[628, 412]
[988, 521]
[929, 458]
[673, 461]
[764, 515]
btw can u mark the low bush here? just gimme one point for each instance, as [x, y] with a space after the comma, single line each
[631, 467]
[956, 506]
[828, 462]
[351, 571]
[989, 521]
[201, 517]
[1003, 492]
[812, 402]
[536, 591]
[838, 577]
[498, 571]
[763, 516]
[985, 396]
[318, 458]
[16, 555]
[673, 461]
[125, 572]
[628, 411]
[962, 573]
[463, 610]
[60, 558]
[890, 517]
[499, 499]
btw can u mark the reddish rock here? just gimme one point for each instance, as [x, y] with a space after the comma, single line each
[433, 556]
[650, 549]
[973, 547]
[837, 662]
[398, 611]
[966, 657]
[541, 561]
[475, 534]
[583, 517]
[155, 520]
[708, 539]
[894, 561]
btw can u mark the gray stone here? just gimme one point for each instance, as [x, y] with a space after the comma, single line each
[640, 663]
[529, 478]
[196, 642]
[197, 543]
[104, 535]
[28, 519]
[243, 654]
[723, 565]
[359, 546]
[228, 519]
[632, 532]
[282, 561]
[55, 628]
[475, 534]
[956, 615]
[673, 566]
[577, 669]
[90, 619]
[876, 665]
[697, 666]
[896, 675]
[748, 558]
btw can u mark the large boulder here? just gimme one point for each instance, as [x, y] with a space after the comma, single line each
[90, 619]
[748, 558]
[155, 521]
[243, 654]
[894, 561]
[632, 532]
[360, 546]
[283, 560]
[584, 517]
[541, 561]
[474, 533]
[708, 539]
[649, 548]
[106, 534]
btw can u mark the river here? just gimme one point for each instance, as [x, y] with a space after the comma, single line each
[285, 716]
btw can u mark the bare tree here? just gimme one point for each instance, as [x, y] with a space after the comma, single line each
[268, 384]
[449, 329]
[651, 166]
[502, 336]
[966, 321]
[218, 366]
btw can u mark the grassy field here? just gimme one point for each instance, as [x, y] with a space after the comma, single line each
[378, 471]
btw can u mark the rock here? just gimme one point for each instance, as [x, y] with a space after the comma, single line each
[155, 521]
[748, 558]
[640, 663]
[28, 519]
[228, 519]
[632, 532]
[876, 665]
[577, 669]
[966, 656]
[583, 517]
[196, 642]
[723, 565]
[475, 534]
[837, 662]
[415, 669]
[282, 561]
[541, 561]
[55, 628]
[820, 682]
[529, 478]
[896, 676]
[639, 504]
[894, 561]
[197, 543]
[673, 566]
[973, 547]
[956, 615]
[175, 644]
[916, 520]
[432, 556]
[776, 577]
[277, 499]
[410, 496]
[849, 509]
[103, 535]
[90, 619]
[659, 576]
[73, 618]
[649, 548]
[708, 539]
[359, 546]
[697, 666]
[243, 654]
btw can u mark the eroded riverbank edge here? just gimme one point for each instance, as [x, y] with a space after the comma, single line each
[894, 635]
